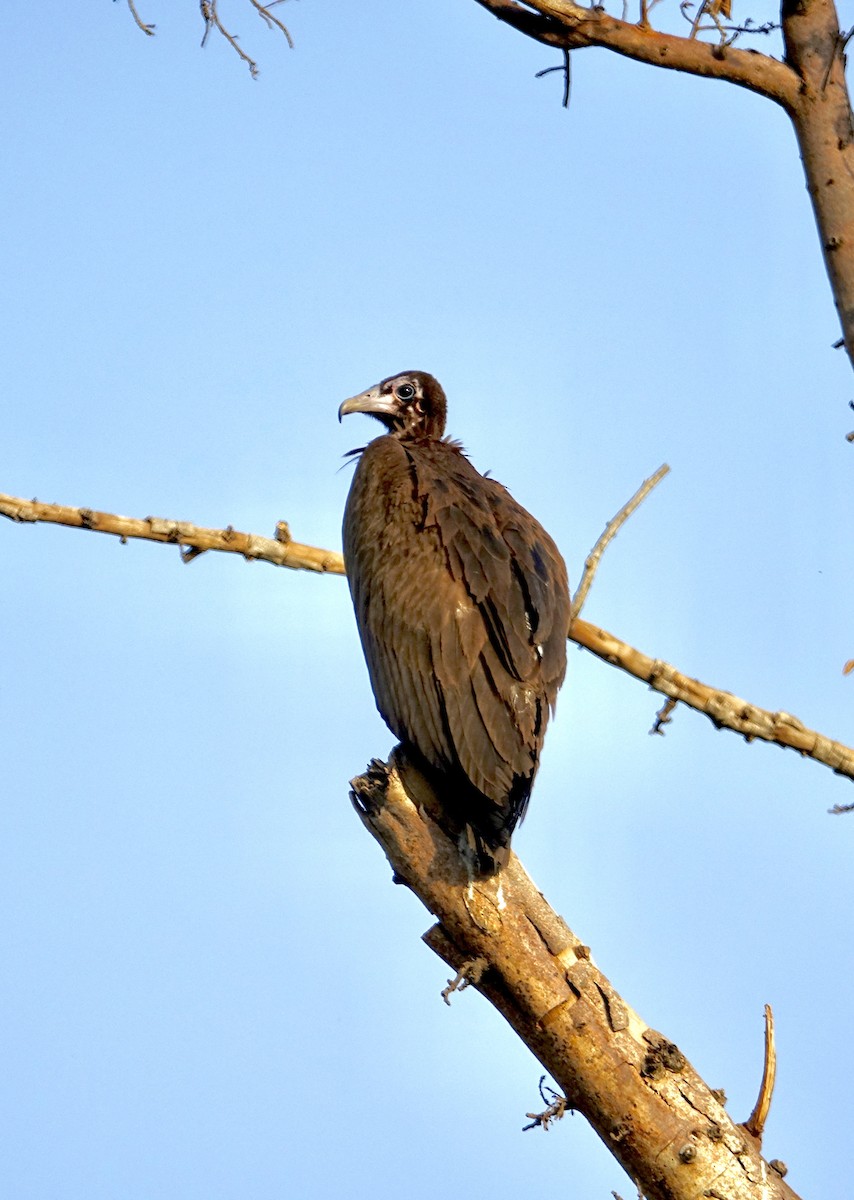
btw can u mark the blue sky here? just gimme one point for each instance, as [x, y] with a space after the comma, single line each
[210, 989]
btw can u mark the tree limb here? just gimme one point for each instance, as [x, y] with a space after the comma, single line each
[281, 551]
[815, 51]
[666, 1127]
[570, 26]
[723, 709]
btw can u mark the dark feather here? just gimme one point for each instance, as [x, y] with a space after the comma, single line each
[462, 605]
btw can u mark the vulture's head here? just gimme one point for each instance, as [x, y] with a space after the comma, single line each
[410, 405]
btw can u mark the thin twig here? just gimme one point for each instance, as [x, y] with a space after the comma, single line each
[263, 11]
[592, 561]
[567, 76]
[755, 1123]
[212, 21]
[143, 25]
[723, 709]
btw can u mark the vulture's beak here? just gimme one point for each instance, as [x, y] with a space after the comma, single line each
[371, 402]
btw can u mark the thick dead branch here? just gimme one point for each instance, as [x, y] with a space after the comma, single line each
[666, 1127]
[569, 26]
[725, 710]
[815, 52]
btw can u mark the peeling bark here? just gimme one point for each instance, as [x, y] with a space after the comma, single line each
[664, 1125]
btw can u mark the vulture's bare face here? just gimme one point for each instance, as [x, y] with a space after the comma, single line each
[410, 405]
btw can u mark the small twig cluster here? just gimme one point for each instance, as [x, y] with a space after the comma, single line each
[211, 18]
[716, 9]
[556, 1107]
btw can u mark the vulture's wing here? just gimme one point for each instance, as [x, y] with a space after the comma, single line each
[462, 606]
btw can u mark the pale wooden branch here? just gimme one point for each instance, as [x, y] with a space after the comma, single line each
[263, 11]
[723, 709]
[210, 16]
[665, 1126]
[143, 25]
[591, 563]
[755, 1123]
[281, 551]
[570, 26]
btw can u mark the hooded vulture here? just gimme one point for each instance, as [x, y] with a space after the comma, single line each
[463, 608]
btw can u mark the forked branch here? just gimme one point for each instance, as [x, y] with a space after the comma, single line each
[212, 20]
[569, 26]
[809, 84]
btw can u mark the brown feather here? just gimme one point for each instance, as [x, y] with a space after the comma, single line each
[462, 606]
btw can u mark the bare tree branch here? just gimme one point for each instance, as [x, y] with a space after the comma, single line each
[815, 51]
[591, 563]
[143, 25]
[570, 26]
[723, 709]
[755, 1123]
[210, 16]
[666, 1127]
[281, 551]
[263, 11]
[810, 85]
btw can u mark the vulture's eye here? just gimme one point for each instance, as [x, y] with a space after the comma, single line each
[405, 391]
